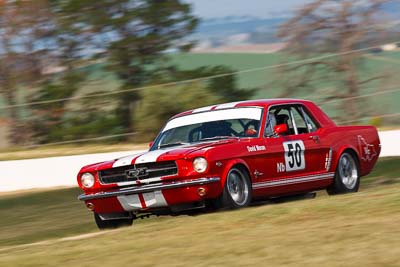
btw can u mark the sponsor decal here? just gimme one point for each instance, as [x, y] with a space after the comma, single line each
[256, 148]
[368, 151]
[280, 167]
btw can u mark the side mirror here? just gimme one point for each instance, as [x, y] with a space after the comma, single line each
[151, 144]
[281, 129]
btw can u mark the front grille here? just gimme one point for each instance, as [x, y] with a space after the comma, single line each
[138, 172]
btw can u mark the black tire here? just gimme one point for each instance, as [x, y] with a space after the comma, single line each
[347, 175]
[111, 224]
[237, 192]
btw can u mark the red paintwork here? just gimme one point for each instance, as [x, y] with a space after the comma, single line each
[261, 164]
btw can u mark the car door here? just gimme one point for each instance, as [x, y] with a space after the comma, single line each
[292, 160]
[316, 151]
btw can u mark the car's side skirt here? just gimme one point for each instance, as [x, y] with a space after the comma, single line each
[297, 180]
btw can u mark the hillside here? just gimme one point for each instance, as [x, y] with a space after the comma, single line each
[269, 81]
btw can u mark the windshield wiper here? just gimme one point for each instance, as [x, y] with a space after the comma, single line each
[173, 144]
[219, 137]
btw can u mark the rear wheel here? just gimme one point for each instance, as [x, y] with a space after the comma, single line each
[111, 224]
[237, 190]
[347, 178]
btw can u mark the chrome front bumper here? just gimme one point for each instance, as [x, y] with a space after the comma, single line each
[149, 188]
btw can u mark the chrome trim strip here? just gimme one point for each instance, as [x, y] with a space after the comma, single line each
[144, 181]
[303, 179]
[149, 188]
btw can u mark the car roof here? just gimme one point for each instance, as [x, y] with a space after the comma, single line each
[247, 103]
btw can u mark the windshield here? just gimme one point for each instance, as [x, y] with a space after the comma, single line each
[210, 125]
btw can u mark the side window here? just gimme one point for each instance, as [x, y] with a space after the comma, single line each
[296, 118]
[236, 126]
[311, 125]
[299, 120]
[278, 115]
[303, 121]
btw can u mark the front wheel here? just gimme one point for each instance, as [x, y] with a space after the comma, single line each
[237, 192]
[347, 179]
[111, 224]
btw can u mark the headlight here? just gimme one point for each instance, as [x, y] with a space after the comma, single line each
[200, 164]
[87, 180]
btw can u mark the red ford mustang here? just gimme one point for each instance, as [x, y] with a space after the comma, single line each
[228, 155]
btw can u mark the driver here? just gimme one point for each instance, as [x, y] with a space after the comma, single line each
[251, 131]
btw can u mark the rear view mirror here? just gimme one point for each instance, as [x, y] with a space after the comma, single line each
[151, 144]
[281, 129]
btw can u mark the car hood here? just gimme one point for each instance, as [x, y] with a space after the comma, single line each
[164, 154]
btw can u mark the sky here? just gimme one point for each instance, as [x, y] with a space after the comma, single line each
[257, 8]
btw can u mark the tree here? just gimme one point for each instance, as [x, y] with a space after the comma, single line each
[158, 104]
[224, 85]
[161, 103]
[52, 121]
[132, 36]
[25, 27]
[331, 26]
[48, 119]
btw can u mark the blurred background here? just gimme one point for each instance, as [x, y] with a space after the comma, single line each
[113, 71]
[80, 77]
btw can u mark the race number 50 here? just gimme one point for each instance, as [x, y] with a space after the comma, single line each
[294, 155]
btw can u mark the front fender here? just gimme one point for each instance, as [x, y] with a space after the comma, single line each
[229, 164]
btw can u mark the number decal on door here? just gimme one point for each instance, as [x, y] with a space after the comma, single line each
[294, 155]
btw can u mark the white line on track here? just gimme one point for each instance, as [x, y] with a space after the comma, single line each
[59, 240]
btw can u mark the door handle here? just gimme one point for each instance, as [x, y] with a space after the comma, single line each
[315, 138]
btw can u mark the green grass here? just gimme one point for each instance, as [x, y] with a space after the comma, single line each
[386, 171]
[237, 61]
[348, 230]
[38, 216]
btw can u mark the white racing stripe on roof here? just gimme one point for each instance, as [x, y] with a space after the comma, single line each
[215, 115]
[202, 109]
[227, 105]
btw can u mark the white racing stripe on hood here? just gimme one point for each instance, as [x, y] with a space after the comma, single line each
[152, 156]
[125, 160]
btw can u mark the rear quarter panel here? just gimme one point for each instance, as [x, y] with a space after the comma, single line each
[362, 140]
